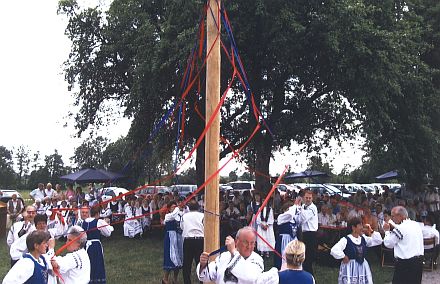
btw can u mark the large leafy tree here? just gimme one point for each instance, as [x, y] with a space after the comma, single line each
[318, 69]
[89, 153]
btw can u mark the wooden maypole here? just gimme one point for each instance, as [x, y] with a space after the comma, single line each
[212, 138]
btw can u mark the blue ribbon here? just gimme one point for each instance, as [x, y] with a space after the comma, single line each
[220, 250]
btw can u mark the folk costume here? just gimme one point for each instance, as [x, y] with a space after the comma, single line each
[131, 227]
[287, 230]
[229, 268]
[265, 229]
[357, 270]
[28, 270]
[407, 240]
[173, 242]
[75, 267]
[94, 247]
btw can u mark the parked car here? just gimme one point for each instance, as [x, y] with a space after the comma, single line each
[113, 192]
[320, 189]
[337, 191]
[242, 186]
[354, 187]
[341, 187]
[183, 189]
[6, 195]
[154, 189]
[286, 188]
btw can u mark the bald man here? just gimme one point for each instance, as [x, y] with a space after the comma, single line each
[406, 237]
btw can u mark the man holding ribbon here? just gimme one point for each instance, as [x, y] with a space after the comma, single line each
[239, 264]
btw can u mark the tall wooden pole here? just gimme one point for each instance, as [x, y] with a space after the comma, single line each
[212, 221]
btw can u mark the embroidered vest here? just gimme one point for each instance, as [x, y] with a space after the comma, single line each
[357, 252]
[40, 272]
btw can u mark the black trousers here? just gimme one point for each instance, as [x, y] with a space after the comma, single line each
[192, 249]
[408, 271]
[311, 242]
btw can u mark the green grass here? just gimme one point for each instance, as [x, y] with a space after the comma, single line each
[140, 261]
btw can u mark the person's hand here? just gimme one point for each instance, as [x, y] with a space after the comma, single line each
[368, 230]
[54, 263]
[230, 244]
[51, 243]
[386, 227]
[298, 201]
[345, 259]
[204, 257]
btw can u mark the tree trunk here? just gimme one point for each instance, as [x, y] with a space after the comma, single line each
[263, 149]
[200, 164]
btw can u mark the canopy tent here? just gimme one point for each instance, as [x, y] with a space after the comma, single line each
[92, 175]
[388, 175]
[307, 174]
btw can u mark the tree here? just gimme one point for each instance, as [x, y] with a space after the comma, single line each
[36, 161]
[23, 164]
[318, 69]
[54, 167]
[315, 163]
[7, 174]
[89, 153]
[233, 176]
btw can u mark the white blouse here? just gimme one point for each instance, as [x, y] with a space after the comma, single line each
[337, 250]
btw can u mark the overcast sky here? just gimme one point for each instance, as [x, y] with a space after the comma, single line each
[34, 96]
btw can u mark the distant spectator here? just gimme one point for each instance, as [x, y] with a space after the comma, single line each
[39, 192]
[49, 191]
[15, 207]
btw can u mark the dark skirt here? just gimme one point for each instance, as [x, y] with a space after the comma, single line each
[97, 266]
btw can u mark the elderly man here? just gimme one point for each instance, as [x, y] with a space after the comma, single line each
[406, 238]
[19, 248]
[240, 264]
[21, 228]
[38, 192]
[74, 267]
[15, 207]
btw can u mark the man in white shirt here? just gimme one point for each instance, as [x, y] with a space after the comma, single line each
[38, 192]
[20, 228]
[326, 217]
[74, 267]
[429, 230]
[308, 217]
[49, 191]
[240, 264]
[192, 233]
[406, 238]
[232, 212]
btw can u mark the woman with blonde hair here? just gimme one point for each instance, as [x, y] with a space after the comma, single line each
[295, 255]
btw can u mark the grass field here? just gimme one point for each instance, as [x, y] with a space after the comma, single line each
[140, 261]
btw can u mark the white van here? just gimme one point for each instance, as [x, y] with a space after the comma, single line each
[242, 186]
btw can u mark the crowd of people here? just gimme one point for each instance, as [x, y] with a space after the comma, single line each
[295, 224]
